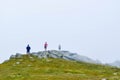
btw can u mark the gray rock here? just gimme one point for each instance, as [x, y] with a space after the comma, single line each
[12, 56]
[64, 55]
[17, 63]
[59, 54]
[18, 55]
[103, 79]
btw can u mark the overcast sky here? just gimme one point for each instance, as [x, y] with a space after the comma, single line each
[88, 27]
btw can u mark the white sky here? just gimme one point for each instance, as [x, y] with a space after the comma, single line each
[88, 27]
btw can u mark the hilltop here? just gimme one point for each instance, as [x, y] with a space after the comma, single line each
[47, 67]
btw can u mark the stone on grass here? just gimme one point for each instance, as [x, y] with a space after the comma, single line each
[18, 55]
[17, 62]
[103, 79]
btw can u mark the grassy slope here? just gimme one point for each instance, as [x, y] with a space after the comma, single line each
[54, 69]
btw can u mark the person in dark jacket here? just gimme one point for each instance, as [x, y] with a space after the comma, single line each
[28, 48]
[45, 46]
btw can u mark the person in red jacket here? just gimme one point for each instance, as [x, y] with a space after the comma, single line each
[45, 46]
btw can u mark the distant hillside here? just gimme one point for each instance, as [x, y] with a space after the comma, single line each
[32, 67]
[115, 63]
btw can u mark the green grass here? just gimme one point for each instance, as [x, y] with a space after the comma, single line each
[27, 68]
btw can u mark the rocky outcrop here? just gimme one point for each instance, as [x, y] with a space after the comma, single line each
[59, 54]
[18, 55]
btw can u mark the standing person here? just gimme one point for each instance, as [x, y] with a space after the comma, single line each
[59, 47]
[45, 46]
[28, 48]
